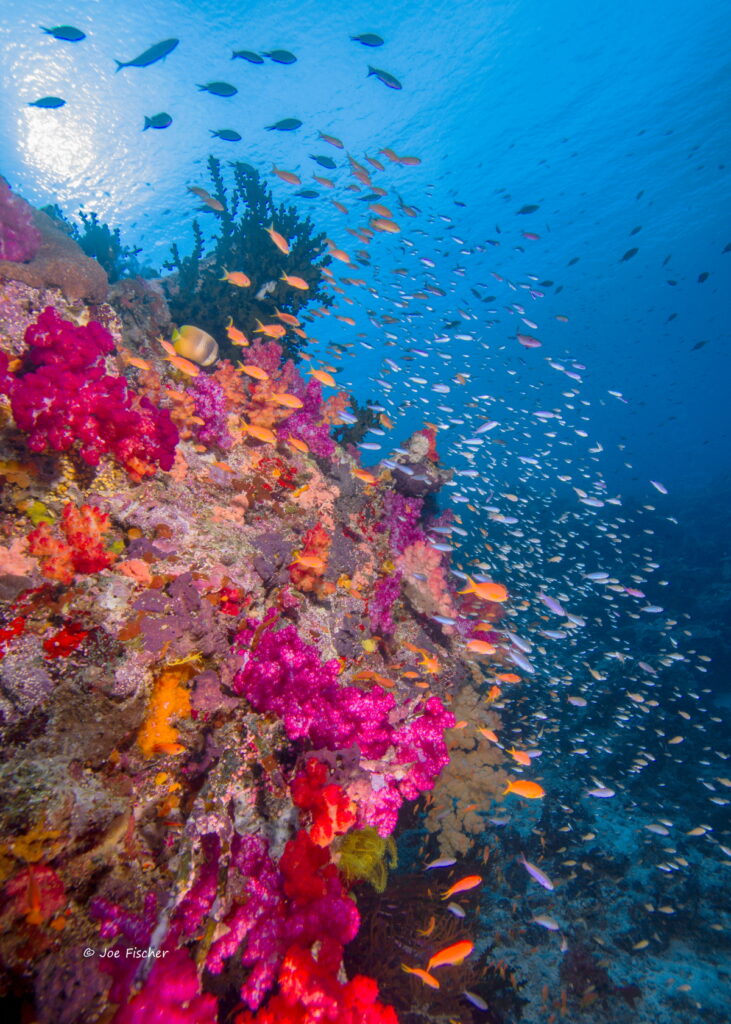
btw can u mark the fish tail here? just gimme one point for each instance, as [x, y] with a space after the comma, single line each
[371, 71]
[507, 789]
[148, 122]
[120, 64]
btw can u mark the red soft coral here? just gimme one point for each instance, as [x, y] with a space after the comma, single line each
[82, 549]
[308, 568]
[333, 812]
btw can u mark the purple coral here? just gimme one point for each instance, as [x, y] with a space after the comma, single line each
[304, 425]
[20, 239]
[401, 517]
[62, 397]
[210, 406]
[285, 675]
[385, 593]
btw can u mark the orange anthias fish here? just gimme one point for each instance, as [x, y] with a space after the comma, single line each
[380, 210]
[279, 240]
[237, 277]
[234, 334]
[184, 365]
[287, 318]
[331, 139]
[464, 885]
[424, 976]
[365, 476]
[295, 282]
[261, 433]
[251, 370]
[324, 378]
[520, 756]
[384, 224]
[486, 591]
[289, 176]
[508, 677]
[300, 446]
[271, 330]
[454, 954]
[206, 198]
[136, 361]
[287, 400]
[339, 254]
[525, 788]
[490, 735]
[480, 647]
[325, 182]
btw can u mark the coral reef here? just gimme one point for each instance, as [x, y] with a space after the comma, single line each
[219, 693]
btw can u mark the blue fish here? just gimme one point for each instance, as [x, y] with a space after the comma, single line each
[281, 56]
[368, 39]
[219, 89]
[67, 33]
[48, 102]
[289, 124]
[227, 134]
[151, 56]
[253, 58]
[158, 121]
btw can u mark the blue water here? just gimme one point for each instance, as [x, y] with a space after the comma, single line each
[507, 104]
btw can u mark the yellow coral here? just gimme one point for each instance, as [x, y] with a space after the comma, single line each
[170, 699]
[364, 854]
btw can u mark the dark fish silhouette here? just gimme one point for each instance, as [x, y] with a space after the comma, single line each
[227, 134]
[728, 248]
[219, 89]
[253, 58]
[158, 121]
[68, 33]
[703, 277]
[385, 77]
[324, 161]
[289, 124]
[151, 56]
[629, 254]
[698, 344]
[307, 193]
[48, 102]
[530, 208]
[281, 56]
[635, 230]
[368, 39]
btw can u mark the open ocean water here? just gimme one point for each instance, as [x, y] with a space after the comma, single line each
[516, 275]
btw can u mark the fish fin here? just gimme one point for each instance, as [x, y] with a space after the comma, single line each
[148, 122]
[120, 64]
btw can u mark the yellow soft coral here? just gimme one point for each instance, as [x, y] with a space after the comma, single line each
[170, 699]
[364, 854]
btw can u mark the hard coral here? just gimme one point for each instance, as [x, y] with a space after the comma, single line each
[59, 263]
[61, 397]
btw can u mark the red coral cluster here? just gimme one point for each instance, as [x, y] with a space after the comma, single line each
[62, 398]
[333, 812]
[82, 548]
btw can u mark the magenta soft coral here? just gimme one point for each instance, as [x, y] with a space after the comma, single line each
[283, 674]
[62, 397]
